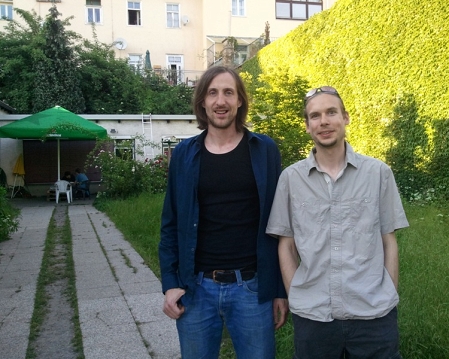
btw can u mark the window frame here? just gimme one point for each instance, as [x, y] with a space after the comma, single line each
[138, 65]
[308, 4]
[137, 11]
[176, 23]
[241, 54]
[125, 145]
[93, 8]
[8, 9]
[175, 68]
[238, 8]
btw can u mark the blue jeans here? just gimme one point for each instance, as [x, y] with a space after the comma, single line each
[350, 339]
[250, 324]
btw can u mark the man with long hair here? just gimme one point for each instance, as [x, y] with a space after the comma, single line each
[218, 266]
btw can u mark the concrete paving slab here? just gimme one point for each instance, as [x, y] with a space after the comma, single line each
[115, 345]
[119, 297]
[21, 258]
[141, 287]
[107, 318]
[106, 291]
[13, 347]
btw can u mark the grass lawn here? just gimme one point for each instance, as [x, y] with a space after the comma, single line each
[423, 284]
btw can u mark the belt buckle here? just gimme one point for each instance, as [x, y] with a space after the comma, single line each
[214, 273]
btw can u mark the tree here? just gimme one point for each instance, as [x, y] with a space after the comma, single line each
[17, 45]
[57, 80]
[109, 85]
[45, 65]
[276, 110]
[266, 36]
[163, 98]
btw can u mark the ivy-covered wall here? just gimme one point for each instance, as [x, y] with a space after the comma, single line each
[389, 61]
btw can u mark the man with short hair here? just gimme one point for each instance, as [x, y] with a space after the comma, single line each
[335, 214]
[217, 264]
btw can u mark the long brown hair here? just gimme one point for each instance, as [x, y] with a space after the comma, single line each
[201, 93]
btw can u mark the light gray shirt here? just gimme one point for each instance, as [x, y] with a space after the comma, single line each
[337, 228]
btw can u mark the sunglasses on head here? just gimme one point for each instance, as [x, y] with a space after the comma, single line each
[322, 89]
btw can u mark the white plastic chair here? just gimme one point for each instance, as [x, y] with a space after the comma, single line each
[62, 186]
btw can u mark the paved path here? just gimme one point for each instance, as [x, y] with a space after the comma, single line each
[119, 298]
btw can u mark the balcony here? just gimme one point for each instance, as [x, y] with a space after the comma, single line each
[176, 77]
[232, 51]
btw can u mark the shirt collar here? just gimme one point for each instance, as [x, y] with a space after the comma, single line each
[350, 158]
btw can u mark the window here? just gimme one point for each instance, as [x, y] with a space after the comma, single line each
[170, 142]
[134, 13]
[173, 15]
[297, 9]
[124, 149]
[5, 12]
[175, 63]
[238, 7]
[93, 11]
[241, 54]
[136, 61]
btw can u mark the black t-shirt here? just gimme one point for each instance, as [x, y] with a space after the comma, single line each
[229, 210]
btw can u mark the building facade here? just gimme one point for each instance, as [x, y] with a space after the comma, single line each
[179, 38]
[182, 37]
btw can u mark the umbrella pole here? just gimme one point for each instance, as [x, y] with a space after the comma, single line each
[59, 161]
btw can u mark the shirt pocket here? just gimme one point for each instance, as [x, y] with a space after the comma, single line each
[308, 216]
[364, 215]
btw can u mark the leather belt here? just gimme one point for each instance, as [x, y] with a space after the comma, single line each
[228, 276]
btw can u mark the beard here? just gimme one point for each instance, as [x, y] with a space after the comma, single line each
[327, 144]
[221, 123]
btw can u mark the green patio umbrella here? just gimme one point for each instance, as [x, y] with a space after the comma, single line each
[56, 123]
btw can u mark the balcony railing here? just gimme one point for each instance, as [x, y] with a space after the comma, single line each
[177, 77]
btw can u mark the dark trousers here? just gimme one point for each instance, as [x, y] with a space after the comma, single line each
[350, 339]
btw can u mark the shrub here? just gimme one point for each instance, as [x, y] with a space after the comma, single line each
[122, 175]
[9, 221]
[387, 60]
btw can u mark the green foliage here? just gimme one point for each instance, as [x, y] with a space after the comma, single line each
[122, 175]
[44, 66]
[17, 46]
[57, 80]
[108, 84]
[276, 112]
[162, 98]
[423, 283]
[9, 221]
[423, 309]
[387, 60]
[139, 219]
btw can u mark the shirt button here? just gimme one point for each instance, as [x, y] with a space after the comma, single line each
[194, 224]
[336, 248]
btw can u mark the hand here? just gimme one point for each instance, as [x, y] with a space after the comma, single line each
[172, 305]
[280, 312]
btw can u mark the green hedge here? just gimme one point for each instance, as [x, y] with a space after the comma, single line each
[390, 62]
